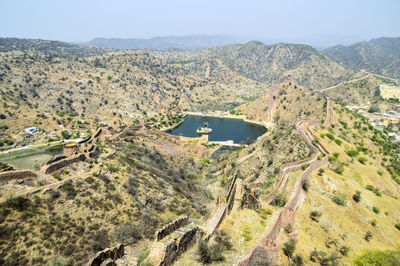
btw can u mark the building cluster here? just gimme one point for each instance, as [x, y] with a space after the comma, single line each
[381, 120]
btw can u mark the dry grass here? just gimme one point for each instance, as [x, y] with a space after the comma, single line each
[348, 224]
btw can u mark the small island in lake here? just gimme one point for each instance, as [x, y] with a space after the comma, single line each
[204, 130]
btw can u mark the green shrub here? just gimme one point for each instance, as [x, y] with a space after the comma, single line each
[330, 136]
[315, 215]
[59, 261]
[397, 226]
[338, 142]
[339, 169]
[357, 196]
[289, 247]
[65, 134]
[57, 176]
[223, 238]
[374, 223]
[305, 184]
[305, 166]
[297, 260]
[362, 159]
[339, 199]
[246, 233]
[378, 258]
[279, 200]
[68, 186]
[376, 210]
[344, 250]
[204, 252]
[18, 203]
[352, 153]
[288, 228]
[374, 189]
[143, 256]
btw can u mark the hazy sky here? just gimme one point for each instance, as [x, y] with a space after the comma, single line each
[295, 20]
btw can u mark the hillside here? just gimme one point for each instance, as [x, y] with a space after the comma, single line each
[318, 188]
[137, 182]
[117, 87]
[284, 104]
[269, 64]
[332, 212]
[50, 48]
[189, 42]
[333, 224]
[380, 56]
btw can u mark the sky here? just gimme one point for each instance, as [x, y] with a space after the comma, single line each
[278, 20]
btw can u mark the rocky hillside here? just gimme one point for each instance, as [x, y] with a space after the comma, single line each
[269, 64]
[284, 104]
[139, 181]
[117, 87]
[50, 48]
[380, 56]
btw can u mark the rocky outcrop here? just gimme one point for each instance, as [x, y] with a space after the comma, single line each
[107, 256]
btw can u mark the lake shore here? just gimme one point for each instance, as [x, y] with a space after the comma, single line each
[222, 115]
[239, 124]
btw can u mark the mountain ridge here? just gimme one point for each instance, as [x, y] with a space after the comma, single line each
[187, 42]
[380, 55]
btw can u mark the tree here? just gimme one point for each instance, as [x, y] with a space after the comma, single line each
[204, 252]
[65, 134]
[289, 247]
[357, 196]
[374, 108]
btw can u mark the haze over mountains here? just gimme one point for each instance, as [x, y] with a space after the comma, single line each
[379, 55]
[188, 42]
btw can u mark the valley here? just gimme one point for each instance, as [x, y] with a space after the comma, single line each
[119, 175]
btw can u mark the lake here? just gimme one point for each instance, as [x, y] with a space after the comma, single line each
[223, 128]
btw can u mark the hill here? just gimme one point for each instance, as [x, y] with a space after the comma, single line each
[332, 212]
[189, 42]
[380, 56]
[117, 87]
[270, 64]
[54, 48]
[136, 184]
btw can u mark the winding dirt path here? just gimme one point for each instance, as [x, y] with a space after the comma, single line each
[368, 74]
[268, 248]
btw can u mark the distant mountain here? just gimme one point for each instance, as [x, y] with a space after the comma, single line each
[380, 56]
[56, 48]
[189, 42]
[254, 60]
